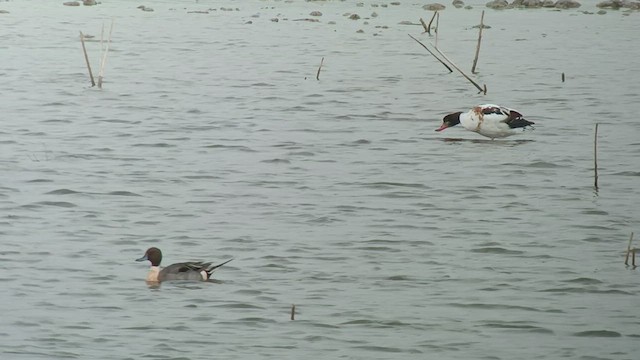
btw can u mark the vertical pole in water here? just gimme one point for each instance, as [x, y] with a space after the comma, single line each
[475, 60]
[293, 312]
[595, 158]
[437, 24]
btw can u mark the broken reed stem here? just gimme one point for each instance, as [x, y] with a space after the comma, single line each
[595, 158]
[424, 25]
[103, 62]
[319, 67]
[293, 311]
[482, 90]
[431, 52]
[86, 59]
[475, 59]
[626, 259]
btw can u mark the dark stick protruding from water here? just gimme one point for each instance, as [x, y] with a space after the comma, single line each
[431, 52]
[319, 68]
[562, 77]
[293, 311]
[86, 58]
[475, 59]
[595, 159]
[629, 251]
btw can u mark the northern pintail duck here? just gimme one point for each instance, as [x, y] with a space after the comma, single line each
[492, 121]
[194, 270]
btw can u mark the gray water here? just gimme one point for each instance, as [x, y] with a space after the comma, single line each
[212, 139]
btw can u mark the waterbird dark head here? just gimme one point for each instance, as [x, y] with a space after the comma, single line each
[154, 255]
[450, 120]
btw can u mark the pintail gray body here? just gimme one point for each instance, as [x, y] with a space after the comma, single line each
[190, 271]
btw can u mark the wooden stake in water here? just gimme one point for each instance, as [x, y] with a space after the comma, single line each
[562, 77]
[475, 59]
[103, 62]
[319, 67]
[595, 159]
[86, 59]
[431, 52]
[293, 312]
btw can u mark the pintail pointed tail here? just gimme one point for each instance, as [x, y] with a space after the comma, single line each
[212, 268]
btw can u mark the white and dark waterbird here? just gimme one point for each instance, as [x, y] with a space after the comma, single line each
[492, 121]
[191, 271]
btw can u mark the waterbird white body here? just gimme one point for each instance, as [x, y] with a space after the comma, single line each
[492, 121]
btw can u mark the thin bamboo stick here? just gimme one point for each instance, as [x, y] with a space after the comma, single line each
[595, 158]
[431, 52]
[103, 62]
[461, 72]
[437, 25]
[86, 59]
[475, 59]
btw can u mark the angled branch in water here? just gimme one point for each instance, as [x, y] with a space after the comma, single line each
[86, 58]
[480, 89]
[319, 67]
[431, 52]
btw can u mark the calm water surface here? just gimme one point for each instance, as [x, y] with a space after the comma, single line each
[212, 139]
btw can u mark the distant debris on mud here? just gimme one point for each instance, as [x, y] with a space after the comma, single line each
[434, 7]
[559, 4]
